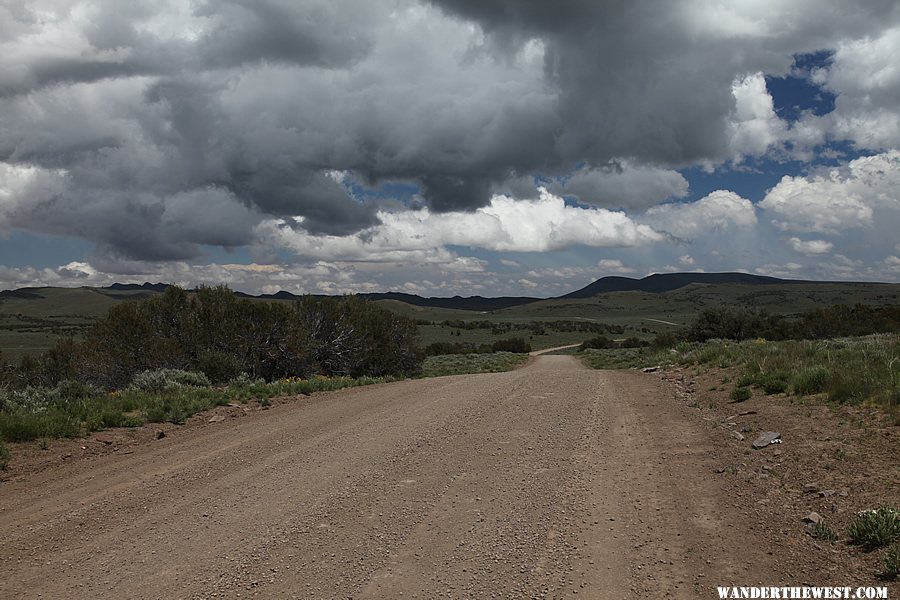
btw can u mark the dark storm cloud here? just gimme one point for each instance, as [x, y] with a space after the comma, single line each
[176, 125]
[312, 33]
[326, 208]
[649, 79]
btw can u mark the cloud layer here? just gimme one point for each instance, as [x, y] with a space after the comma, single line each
[164, 131]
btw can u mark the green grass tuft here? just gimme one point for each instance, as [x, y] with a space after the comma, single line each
[811, 380]
[875, 528]
[822, 531]
[740, 394]
[892, 561]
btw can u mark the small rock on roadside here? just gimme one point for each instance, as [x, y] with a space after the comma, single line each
[737, 436]
[810, 488]
[216, 418]
[814, 518]
[160, 434]
[766, 438]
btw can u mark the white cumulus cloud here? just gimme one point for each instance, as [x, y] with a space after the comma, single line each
[838, 200]
[755, 126]
[718, 211]
[536, 225]
[810, 247]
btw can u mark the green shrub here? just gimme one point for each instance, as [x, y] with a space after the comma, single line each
[731, 323]
[29, 399]
[746, 380]
[633, 342]
[190, 378]
[849, 387]
[771, 382]
[153, 382]
[823, 532]
[517, 345]
[76, 390]
[218, 366]
[775, 382]
[597, 343]
[664, 340]
[739, 394]
[892, 561]
[811, 380]
[4, 456]
[875, 528]
[23, 426]
[163, 380]
[710, 354]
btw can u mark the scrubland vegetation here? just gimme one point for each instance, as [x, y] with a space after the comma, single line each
[166, 357]
[214, 332]
[508, 345]
[458, 364]
[71, 409]
[844, 370]
[847, 354]
[170, 356]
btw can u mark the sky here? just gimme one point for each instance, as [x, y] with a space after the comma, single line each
[510, 147]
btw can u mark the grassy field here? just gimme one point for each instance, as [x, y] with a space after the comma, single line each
[550, 339]
[646, 310]
[863, 370]
[72, 410]
[460, 364]
[32, 324]
[642, 314]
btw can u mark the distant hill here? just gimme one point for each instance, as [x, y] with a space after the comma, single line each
[22, 294]
[146, 287]
[477, 303]
[666, 282]
[656, 284]
[280, 295]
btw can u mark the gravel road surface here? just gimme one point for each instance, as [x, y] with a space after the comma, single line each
[549, 481]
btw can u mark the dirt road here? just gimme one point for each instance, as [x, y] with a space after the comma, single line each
[548, 481]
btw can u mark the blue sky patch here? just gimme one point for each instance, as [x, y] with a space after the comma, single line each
[796, 93]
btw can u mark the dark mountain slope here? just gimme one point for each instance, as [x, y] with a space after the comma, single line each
[666, 282]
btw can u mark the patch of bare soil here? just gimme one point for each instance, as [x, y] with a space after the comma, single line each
[832, 460]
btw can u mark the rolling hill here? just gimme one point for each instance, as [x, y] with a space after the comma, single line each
[33, 319]
[666, 282]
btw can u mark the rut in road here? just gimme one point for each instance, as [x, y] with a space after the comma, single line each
[539, 482]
